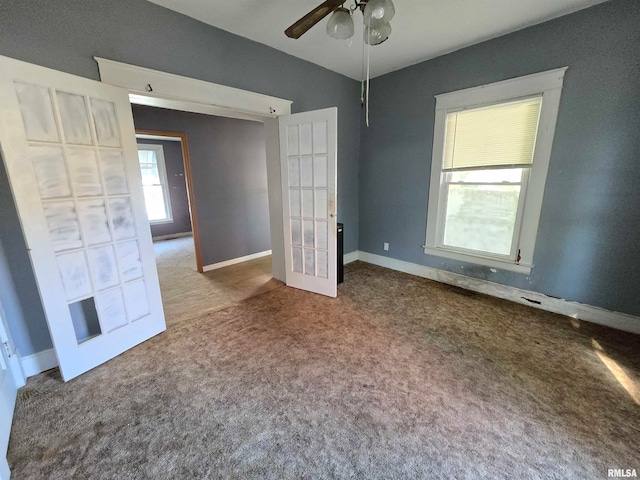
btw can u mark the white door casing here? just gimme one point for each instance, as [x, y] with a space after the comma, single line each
[10, 380]
[71, 156]
[308, 159]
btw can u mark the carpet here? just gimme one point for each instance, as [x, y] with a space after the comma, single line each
[182, 286]
[398, 377]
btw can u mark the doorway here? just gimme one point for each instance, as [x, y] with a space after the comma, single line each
[172, 169]
[282, 129]
[187, 294]
[221, 186]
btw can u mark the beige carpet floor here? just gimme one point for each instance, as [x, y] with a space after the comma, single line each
[187, 293]
[398, 377]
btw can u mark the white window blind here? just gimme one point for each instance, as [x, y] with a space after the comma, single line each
[493, 136]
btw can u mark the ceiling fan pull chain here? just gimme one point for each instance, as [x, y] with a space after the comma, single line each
[362, 82]
[368, 75]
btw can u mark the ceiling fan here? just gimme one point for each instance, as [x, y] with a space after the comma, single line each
[377, 14]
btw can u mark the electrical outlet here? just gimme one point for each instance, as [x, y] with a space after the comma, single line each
[386, 246]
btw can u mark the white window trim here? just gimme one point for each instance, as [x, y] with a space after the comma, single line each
[162, 172]
[549, 85]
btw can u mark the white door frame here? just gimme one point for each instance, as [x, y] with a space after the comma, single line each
[14, 369]
[14, 363]
[165, 90]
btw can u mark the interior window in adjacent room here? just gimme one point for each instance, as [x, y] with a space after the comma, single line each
[154, 183]
[491, 152]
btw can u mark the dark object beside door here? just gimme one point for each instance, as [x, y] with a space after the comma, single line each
[340, 253]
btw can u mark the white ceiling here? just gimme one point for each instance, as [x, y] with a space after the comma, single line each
[422, 29]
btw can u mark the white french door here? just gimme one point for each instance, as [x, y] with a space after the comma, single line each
[308, 157]
[71, 156]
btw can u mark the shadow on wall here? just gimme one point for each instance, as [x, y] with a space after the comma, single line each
[18, 289]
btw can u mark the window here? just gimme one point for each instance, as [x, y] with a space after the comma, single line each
[154, 183]
[491, 152]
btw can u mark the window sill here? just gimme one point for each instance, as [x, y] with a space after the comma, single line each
[160, 222]
[479, 260]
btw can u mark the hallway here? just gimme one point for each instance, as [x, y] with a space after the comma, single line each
[187, 293]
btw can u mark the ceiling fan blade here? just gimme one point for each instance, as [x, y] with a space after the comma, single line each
[310, 19]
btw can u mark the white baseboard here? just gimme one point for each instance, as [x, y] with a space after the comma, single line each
[39, 362]
[233, 261]
[172, 236]
[350, 257]
[580, 311]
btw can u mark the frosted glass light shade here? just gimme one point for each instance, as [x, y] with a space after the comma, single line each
[377, 33]
[378, 11]
[340, 25]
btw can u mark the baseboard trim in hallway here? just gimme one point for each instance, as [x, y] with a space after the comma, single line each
[233, 261]
[172, 236]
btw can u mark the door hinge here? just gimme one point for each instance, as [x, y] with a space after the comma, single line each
[7, 349]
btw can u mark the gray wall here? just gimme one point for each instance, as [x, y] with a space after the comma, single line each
[18, 291]
[587, 247]
[66, 34]
[229, 171]
[177, 187]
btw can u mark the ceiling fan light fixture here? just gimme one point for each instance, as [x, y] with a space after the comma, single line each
[340, 25]
[378, 11]
[377, 32]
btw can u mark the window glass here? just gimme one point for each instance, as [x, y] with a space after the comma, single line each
[149, 167]
[481, 217]
[154, 199]
[510, 175]
[154, 182]
[482, 209]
